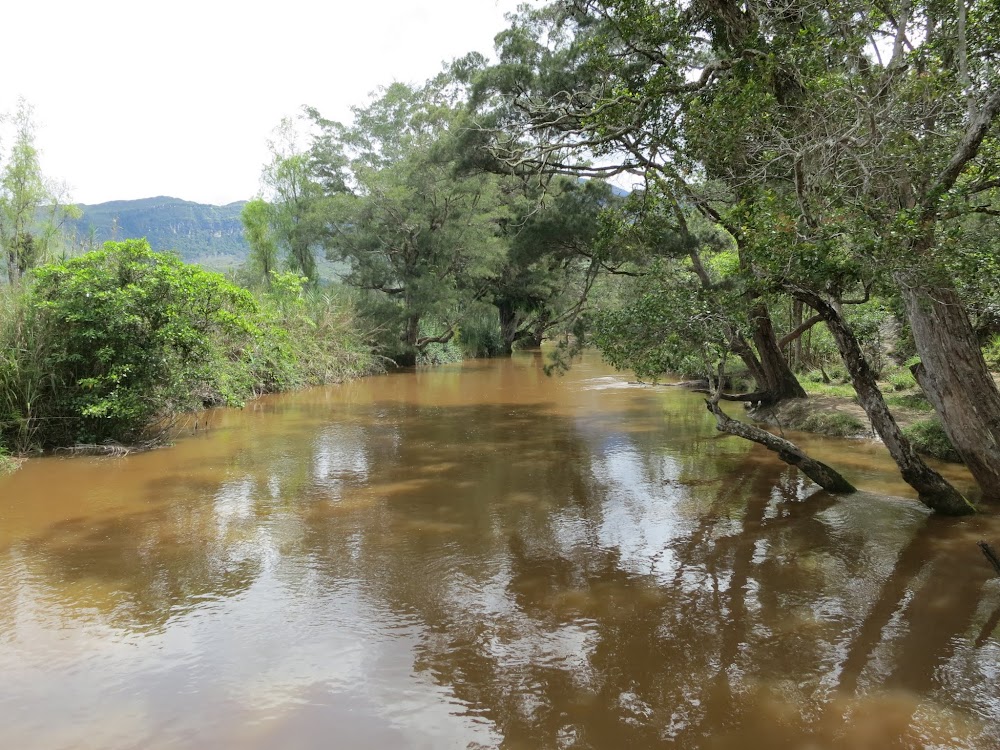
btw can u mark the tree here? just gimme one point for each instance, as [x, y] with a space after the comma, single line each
[768, 118]
[418, 231]
[291, 212]
[258, 229]
[554, 258]
[576, 92]
[30, 210]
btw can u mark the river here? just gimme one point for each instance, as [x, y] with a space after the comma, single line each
[479, 556]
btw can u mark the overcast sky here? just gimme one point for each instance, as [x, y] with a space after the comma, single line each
[136, 99]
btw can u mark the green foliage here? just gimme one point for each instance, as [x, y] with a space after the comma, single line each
[928, 436]
[840, 390]
[315, 334]
[902, 379]
[257, 217]
[479, 334]
[30, 209]
[141, 335]
[991, 353]
[915, 401]
[7, 464]
[668, 324]
[415, 227]
[296, 219]
[110, 345]
[438, 352]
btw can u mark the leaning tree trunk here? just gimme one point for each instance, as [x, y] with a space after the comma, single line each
[933, 490]
[954, 376]
[826, 477]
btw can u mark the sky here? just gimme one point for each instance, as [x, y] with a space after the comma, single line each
[140, 98]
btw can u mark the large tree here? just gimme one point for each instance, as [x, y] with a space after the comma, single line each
[556, 254]
[577, 92]
[788, 127]
[417, 228]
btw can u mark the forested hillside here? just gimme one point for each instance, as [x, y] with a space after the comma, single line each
[211, 236]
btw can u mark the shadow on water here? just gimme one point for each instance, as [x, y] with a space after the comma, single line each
[481, 557]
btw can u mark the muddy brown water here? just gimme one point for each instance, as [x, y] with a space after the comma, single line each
[479, 556]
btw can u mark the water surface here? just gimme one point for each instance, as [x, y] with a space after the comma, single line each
[478, 556]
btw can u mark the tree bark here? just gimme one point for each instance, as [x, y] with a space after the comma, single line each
[954, 376]
[508, 326]
[779, 380]
[933, 490]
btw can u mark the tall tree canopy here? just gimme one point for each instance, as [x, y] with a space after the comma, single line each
[840, 146]
[416, 228]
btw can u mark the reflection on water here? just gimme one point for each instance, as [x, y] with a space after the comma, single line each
[479, 556]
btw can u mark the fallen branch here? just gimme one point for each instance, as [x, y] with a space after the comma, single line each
[827, 478]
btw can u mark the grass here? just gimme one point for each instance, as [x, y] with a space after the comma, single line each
[841, 390]
[916, 401]
[928, 437]
[836, 424]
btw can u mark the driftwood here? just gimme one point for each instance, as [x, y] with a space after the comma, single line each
[759, 398]
[991, 555]
[106, 449]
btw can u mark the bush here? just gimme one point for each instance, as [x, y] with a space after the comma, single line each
[132, 336]
[7, 464]
[991, 353]
[103, 347]
[314, 336]
[928, 436]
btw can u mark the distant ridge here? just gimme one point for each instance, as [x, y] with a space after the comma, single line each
[200, 233]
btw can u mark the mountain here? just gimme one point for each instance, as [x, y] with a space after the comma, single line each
[209, 235]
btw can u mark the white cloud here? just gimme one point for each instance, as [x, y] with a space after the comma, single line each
[136, 99]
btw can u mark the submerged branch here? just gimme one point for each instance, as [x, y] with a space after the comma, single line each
[826, 477]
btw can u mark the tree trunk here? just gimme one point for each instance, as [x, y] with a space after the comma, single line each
[508, 327]
[796, 358]
[779, 380]
[954, 376]
[933, 490]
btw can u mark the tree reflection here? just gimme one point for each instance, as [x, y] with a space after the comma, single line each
[573, 578]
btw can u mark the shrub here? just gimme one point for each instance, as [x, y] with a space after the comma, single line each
[928, 436]
[991, 353]
[131, 336]
[7, 464]
[103, 347]
[313, 336]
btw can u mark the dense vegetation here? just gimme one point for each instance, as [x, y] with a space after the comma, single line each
[113, 345]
